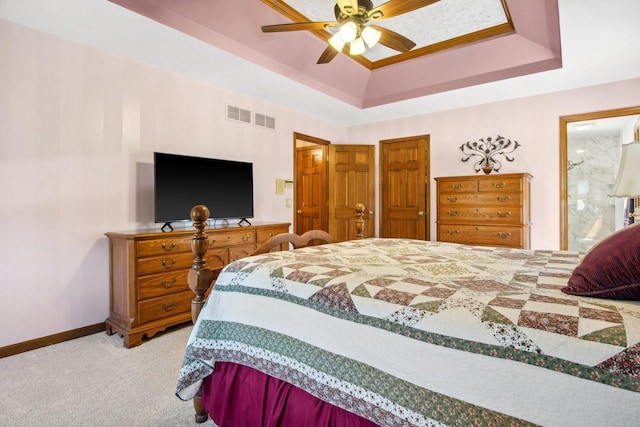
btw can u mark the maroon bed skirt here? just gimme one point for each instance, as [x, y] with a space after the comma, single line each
[236, 396]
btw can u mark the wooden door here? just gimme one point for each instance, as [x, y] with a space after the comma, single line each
[310, 187]
[404, 180]
[351, 181]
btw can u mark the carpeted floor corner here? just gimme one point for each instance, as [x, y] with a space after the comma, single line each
[95, 381]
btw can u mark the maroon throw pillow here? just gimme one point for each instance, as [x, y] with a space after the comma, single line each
[611, 269]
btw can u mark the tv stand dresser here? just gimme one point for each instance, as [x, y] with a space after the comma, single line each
[148, 274]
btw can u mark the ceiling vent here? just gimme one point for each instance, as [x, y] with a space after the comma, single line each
[238, 114]
[264, 121]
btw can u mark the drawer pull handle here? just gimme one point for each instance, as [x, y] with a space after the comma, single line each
[168, 265]
[503, 236]
[504, 214]
[504, 199]
[501, 185]
[170, 248]
[270, 234]
[169, 307]
[454, 213]
[456, 186]
[452, 199]
[453, 232]
[167, 285]
[245, 238]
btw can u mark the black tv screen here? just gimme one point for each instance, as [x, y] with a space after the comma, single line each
[182, 182]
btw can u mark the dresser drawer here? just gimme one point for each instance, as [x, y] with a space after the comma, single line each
[446, 201]
[495, 214]
[163, 246]
[240, 251]
[488, 235]
[264, 235]
[217, 258]
[231, 239]
[165, 263]
[170, 305]
[460, 185]
[509, 185]
[156, 285]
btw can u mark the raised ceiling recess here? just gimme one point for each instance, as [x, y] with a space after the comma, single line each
[458, 43]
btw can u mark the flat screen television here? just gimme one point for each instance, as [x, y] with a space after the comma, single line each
[182, 182]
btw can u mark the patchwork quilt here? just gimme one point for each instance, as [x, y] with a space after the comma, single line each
[407, 332]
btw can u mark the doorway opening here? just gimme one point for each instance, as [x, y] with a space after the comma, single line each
[310, 183]
[590, 150]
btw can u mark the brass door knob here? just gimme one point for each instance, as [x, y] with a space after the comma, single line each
[299, 211]
[420, 213]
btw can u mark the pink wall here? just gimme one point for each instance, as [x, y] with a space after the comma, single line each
[532, 121]
[78, 128]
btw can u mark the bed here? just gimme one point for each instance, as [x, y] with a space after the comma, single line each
[399, 332]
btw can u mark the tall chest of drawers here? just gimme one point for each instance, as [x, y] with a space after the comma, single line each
[148, 274]
[489, 210]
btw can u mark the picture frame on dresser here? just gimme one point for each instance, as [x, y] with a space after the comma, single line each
[489, 210]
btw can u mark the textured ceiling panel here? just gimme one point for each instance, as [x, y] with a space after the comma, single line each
[436, 23]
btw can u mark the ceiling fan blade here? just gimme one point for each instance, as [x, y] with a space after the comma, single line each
[298, 26]
[393, 40]
[328, 54]
[348, 7]
[397, 7]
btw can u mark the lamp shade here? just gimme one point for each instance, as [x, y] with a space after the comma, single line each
[357, 47]
[348, 32]
[370, 36]
[628, 180]
[337, 42]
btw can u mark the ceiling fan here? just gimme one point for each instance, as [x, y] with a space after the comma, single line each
[352, 22]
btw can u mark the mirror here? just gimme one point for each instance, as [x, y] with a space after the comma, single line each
[590, 150]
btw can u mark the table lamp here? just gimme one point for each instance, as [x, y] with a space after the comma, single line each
[628, 180]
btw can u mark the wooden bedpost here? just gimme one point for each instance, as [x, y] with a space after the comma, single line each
[359, 221]
[199, 279]
[200, 276]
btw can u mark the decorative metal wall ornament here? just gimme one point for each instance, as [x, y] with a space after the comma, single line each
[487, 149]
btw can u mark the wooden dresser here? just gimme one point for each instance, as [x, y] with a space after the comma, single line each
[489, 210]
[148, 274]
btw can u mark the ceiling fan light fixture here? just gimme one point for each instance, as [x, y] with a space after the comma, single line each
[348, 32]
[370, 36]
[357, 47]
[350, 26]
[336, 42]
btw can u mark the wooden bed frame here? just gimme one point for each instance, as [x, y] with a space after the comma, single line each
[201, 276]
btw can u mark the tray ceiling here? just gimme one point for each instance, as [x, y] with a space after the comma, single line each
[459, 43]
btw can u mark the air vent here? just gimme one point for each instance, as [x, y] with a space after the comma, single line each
[264, 121]
[238, 114]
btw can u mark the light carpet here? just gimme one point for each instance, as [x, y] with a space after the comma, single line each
[95, 381]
